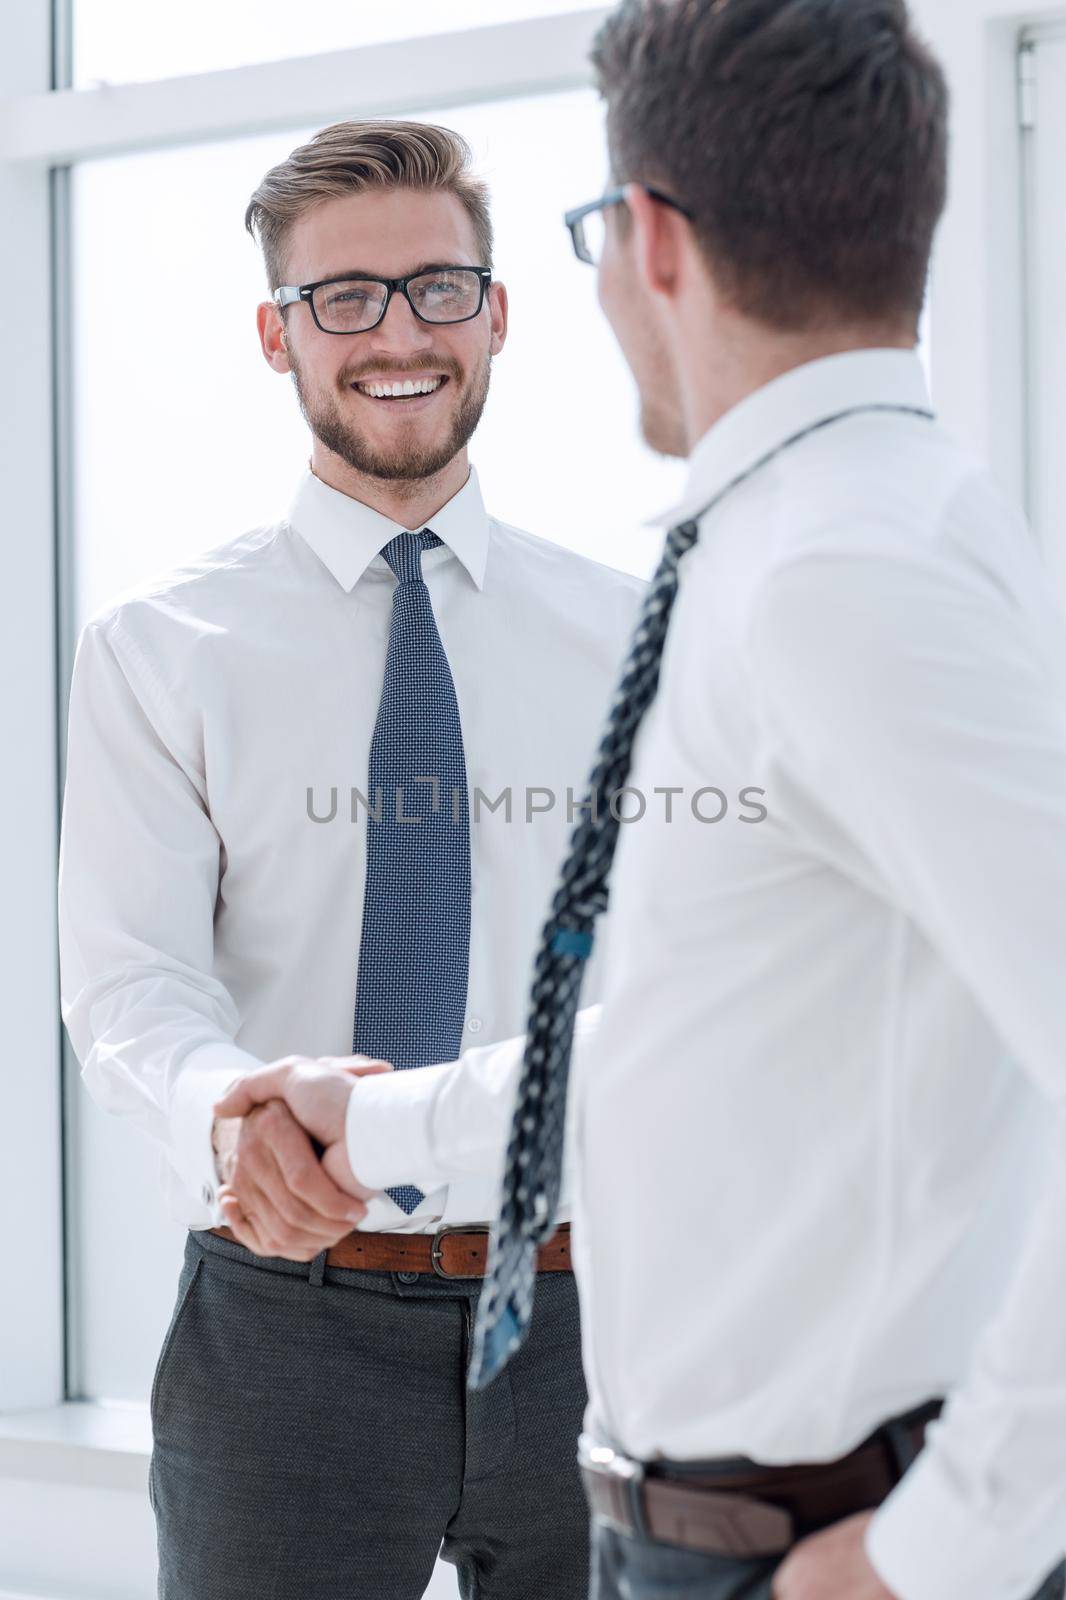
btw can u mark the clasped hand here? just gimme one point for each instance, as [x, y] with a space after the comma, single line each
[279, 1198]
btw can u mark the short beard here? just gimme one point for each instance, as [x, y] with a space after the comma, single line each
[412, 464]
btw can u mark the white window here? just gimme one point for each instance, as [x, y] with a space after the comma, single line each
[119, 41]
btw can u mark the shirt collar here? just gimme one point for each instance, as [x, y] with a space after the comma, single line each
[799, 399]
[347, 535]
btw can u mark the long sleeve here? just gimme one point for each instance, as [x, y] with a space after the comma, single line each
[448, 1121]
[138, 880]
[907, 699]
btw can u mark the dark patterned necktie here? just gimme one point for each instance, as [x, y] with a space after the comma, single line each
[415, 945]
[530, 1191]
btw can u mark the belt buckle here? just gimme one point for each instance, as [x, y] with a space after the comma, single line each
[435, 1250]
[624, 1475]
[601, 1458]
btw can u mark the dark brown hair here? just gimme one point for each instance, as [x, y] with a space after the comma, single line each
[351, 157]
[809, 137]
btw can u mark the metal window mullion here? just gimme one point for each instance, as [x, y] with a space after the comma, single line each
[65, 640]
[62, 44]
[31, 1304]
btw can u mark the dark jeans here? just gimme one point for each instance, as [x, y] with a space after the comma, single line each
[314, 1438]
[627, 1567]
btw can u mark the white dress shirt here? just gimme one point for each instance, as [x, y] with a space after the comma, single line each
[208, 924]
[821, 1114]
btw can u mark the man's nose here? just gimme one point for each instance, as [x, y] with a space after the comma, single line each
[400, 329]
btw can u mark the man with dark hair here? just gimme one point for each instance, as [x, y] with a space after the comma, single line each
[821, 1116]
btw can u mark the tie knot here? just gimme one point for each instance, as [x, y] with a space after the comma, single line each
[404, 553]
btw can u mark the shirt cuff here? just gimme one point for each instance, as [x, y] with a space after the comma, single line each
[926, 1541]
[205, 1075]
[387, 1128]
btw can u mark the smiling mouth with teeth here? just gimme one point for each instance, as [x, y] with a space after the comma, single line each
[402, 389]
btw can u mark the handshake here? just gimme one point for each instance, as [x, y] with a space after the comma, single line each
[278, 1197]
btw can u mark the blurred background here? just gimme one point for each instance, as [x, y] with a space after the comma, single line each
[140, 424]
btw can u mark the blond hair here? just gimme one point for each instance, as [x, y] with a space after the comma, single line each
[352, 157]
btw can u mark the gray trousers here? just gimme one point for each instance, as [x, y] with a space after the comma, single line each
[313, 1437]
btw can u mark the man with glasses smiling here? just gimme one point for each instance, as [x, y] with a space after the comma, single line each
[390, 641]
[438, 294]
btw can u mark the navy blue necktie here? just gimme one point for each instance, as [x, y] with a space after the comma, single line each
[415, 946]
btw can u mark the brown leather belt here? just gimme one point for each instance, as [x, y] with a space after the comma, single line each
[460, 1252]
[747, 1511]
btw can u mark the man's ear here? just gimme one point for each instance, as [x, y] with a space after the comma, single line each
[497, 298]
[656, 239]
[271, 328]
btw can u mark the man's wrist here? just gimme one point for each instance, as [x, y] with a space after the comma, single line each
[225, 1132]
[207, 1073]
[387, 1128]
[215, 1149]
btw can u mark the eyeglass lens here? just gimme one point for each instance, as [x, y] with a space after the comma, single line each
[592, 232]
[355, 303]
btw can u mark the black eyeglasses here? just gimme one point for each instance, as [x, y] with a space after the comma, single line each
[357, 304]
[588, 229]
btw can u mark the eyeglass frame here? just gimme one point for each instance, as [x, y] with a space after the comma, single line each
[615, 197]
[290, 294]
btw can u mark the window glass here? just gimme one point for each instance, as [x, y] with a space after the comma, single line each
[123, 41]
